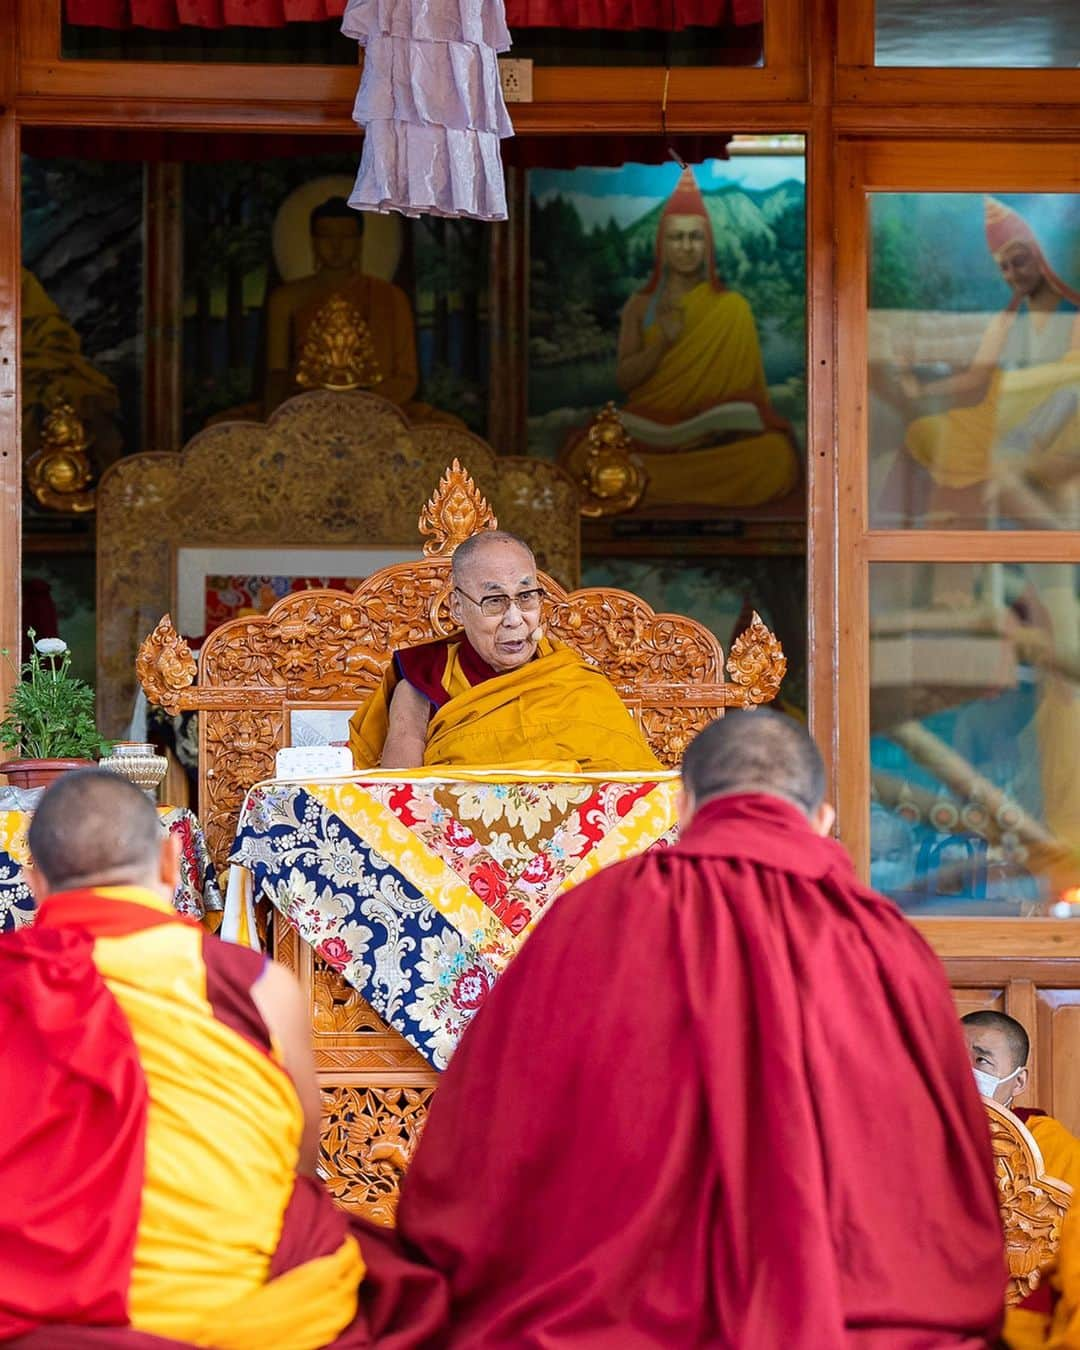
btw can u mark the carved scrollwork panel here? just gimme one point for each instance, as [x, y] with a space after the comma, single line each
[630, 643]
[344, 1021]
[1033, 1205]
[670, 730]
[237, 748]
[327, 468]
[757, 662]
[368, 1136]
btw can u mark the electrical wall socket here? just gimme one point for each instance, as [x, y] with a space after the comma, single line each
[516, 79]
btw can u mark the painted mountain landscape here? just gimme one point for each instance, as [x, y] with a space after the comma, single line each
[593, 235]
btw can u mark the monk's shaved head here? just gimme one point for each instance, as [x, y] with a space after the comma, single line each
[472, 550]
[1016, 1038]
[93, 827]
[756, 750]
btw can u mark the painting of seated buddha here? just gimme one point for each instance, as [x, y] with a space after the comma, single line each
[689, 364]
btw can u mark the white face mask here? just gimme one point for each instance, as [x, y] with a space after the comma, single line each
[988, 1084]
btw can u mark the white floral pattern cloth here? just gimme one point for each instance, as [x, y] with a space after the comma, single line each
[420, 892]
[197, 893]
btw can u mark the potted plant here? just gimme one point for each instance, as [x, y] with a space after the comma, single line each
[49, 723]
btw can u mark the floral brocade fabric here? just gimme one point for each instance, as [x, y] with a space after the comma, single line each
[419, 893]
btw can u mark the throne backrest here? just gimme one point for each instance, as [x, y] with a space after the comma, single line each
[1032, 1204]
[328, 649]
[329, 470]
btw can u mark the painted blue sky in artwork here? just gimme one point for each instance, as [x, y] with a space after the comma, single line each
[625, 194]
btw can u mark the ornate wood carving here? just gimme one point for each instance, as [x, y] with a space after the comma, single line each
[165, 665]
[610, 478]
[757, 663]
[455, 511]
[1032, 1204]
[368, 1137]
[327, 469]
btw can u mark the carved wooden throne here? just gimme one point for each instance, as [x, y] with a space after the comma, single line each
[326, 649]
[1032, 1204]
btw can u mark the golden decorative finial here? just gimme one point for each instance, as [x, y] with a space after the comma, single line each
[58, 473]
[456, 511]
[757, 662]
[165, 666]
[338, 352]
[610, 479]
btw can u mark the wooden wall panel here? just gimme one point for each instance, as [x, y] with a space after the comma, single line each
[972, 998]
[10, 462]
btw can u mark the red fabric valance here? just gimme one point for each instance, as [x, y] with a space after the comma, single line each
[606, 14]
[521, 152]
[200, 13]
[631, 14]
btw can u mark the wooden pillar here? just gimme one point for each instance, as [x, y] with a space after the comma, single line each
[163, 301]
[508, 320]
[821, 462]
[10, 450]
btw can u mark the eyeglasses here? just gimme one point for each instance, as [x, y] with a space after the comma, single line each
[495, 606]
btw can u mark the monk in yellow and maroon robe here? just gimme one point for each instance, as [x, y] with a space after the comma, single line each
[150, 1150]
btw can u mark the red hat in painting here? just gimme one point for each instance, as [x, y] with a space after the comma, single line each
[686, 200]
[1006, 227]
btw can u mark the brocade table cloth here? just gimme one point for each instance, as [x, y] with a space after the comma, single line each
[197, 895]
[419, 889]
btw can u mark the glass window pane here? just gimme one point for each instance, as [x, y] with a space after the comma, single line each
[975, 736]
[993, 33]
[974, 360]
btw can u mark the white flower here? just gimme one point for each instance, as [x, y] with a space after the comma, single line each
[51, 646]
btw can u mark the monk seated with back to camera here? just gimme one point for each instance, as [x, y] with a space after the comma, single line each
[161, 1119]
[498, 692]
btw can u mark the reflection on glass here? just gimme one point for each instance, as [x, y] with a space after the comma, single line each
[975, 736]
[974, 361]
[994, 33]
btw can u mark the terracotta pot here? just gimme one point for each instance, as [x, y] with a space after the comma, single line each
[34, 773]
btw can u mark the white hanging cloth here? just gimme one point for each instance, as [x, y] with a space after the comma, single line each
[431, 106]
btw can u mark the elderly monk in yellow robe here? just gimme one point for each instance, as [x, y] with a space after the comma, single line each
[498, 692]
[337, 233]
[998, 1047]
[690, 361]
[1013, 419]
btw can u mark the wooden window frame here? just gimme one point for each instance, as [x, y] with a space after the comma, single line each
[319, 98]
[860, 81]
[864, 167]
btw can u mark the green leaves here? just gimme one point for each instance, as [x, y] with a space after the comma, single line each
[50, 714]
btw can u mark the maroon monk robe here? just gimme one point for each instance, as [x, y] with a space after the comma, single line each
[720, 1099]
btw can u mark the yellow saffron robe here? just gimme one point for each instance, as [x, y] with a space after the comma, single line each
[223, 1127]
[555, 713]
[716, 360]
[1027, 1330]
